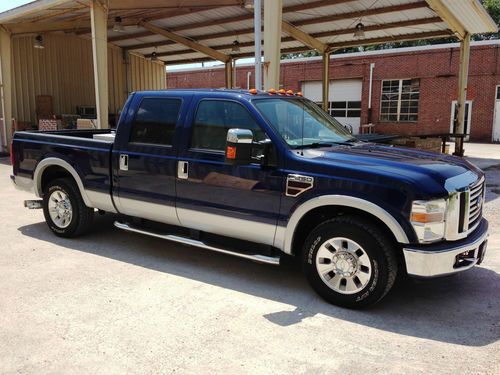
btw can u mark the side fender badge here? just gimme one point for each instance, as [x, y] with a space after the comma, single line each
[296, 184]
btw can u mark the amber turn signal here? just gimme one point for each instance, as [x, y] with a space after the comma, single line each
[425, 217]
[231, 152]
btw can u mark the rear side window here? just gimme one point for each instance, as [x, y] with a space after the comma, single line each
[155, 121]
[215, 117]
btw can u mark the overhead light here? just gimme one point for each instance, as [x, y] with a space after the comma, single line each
[117, 26]
[235, 46]
[154, 56]
[248, 4]
[39, 42]
[360, 31]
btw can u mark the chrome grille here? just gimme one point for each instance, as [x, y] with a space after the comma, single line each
[476, 200]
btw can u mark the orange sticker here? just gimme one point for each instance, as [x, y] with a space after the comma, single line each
[231, 152]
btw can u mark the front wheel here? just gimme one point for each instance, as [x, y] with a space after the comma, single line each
[349, 262]
[65, 212]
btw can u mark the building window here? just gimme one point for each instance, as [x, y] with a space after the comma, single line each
[345, 109]
[399, 101]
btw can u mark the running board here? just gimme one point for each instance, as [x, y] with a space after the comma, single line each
[191, 242]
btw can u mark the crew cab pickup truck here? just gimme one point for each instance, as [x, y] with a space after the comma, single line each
[262, 175]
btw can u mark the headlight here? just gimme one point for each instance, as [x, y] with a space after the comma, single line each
[428, 219]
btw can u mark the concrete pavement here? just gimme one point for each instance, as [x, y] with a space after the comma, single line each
[114, 302]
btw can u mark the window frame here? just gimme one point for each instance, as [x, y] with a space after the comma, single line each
[193, 124]
[175, 125]
[399, 100]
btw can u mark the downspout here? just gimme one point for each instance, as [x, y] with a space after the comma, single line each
[372, 66]
[249, 74]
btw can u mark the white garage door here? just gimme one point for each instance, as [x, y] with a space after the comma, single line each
[345, 99]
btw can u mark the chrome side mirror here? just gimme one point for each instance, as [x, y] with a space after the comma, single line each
[239, 144]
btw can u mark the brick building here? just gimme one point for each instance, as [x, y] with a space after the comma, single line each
[413, 89]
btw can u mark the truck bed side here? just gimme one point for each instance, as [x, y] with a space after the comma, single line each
[38, 156]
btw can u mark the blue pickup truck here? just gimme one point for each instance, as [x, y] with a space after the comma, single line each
[262, 175]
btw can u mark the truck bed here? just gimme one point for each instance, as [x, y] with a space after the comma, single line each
[90, 158]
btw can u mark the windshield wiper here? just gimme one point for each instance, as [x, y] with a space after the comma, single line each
[325, 144]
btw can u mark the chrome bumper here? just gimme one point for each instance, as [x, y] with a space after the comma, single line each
[448, 257]
[23, 183]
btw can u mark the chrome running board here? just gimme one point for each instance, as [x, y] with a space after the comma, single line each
[191, 242]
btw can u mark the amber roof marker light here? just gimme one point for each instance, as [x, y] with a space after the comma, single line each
[289, 92]
[272, 91]
[281, 91]
[253, 91]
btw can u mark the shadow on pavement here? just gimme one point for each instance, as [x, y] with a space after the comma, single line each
[461, 310]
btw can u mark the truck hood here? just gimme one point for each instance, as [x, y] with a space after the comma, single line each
[431, 170]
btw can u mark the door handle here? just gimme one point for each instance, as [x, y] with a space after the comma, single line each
[182, 170]
[123, 162]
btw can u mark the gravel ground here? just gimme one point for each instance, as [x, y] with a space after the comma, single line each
[114, 302]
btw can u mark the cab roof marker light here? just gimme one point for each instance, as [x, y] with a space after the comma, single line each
[281, 91]
[299, 93]
[271, 91]
[253, 91]
[289, 92]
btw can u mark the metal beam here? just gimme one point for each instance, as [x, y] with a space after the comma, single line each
[334, 46]
[246, 17]
[167, 4]
[229, 74]
[6, 85]
[448, 17]
[98, 20]
[41, 27]
[184, 41]
[348, 31]
[272, 43]
[303, 37]
[326, 80]
[463, 74]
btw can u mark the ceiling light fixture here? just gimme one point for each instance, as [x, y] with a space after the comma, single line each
[360, 31]
[235, 46]
[39, 42]
[117, 26]
[248, 4]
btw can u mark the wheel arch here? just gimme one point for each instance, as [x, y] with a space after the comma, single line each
[57, 167]
[312, 212]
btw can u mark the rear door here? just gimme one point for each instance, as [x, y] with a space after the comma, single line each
[213, 196]
[145, 157]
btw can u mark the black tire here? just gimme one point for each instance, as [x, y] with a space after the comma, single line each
[82, 216]
[374, 246]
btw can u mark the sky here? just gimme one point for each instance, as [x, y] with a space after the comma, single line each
[9, 4]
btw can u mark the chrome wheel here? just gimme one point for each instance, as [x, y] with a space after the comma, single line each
[343, 265]
[60, 209]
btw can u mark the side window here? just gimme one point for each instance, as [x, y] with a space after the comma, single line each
[155, 120]
[215, 117]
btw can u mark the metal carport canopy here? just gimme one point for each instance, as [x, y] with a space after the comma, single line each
[218, 23]
[185, 31]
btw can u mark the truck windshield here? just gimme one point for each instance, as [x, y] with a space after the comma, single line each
[301, 123]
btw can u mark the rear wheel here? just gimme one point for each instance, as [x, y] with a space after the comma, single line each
[349, 262]
[65, 212]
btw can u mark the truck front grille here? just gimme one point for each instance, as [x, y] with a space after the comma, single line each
[476, 200]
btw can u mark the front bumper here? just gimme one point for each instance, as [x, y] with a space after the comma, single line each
[447, 257]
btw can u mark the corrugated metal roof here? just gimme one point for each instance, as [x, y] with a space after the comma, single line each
[218, 27]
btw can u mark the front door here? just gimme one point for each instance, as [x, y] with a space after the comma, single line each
[215, 197]
[146, 162]
[496, 118]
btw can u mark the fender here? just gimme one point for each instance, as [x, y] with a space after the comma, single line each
[284, 235]
[45, 163]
